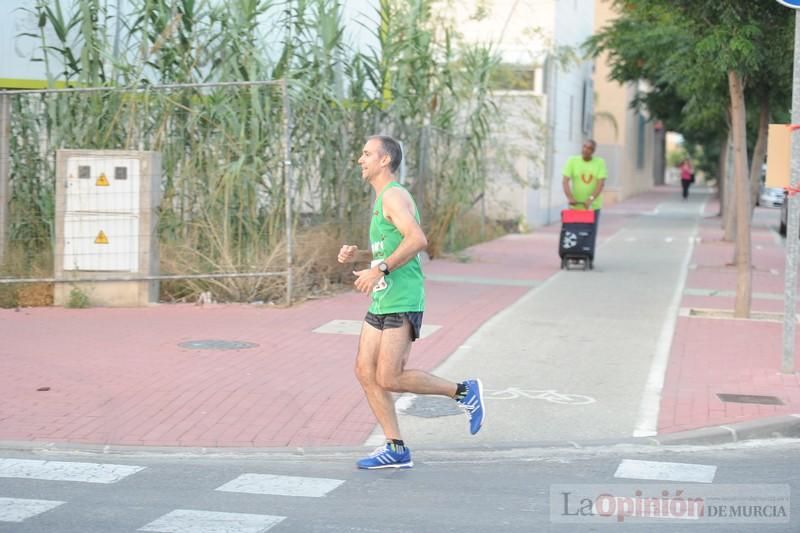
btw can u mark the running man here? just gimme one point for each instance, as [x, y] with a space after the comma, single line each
[396, 285]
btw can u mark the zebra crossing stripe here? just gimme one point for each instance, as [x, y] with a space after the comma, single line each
[65, 471]
[19, 509]
[663, 471]
[188, 521]
[312, 487]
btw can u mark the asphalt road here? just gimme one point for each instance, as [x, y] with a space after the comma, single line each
[489, 489]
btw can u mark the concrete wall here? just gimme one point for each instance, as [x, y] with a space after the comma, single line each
[521, 148]
[525, 32]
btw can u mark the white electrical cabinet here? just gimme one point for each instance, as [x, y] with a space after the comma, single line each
[106, 239]
[102, 185]
[101, 217]
[101, 242]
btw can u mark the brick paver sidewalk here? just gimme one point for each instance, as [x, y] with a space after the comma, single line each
[711, 355]
[119, 376]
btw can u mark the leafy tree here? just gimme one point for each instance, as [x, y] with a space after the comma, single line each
[703, 58]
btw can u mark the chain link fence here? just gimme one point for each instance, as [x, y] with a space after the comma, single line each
[227, 192]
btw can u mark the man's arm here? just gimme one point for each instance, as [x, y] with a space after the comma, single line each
[597, 190]
[349, 253]
[600, 182]
[566, 182]
[398, 208]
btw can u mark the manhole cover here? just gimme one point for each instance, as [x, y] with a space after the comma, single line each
[432, 407]
[750, 398]
[216, 344]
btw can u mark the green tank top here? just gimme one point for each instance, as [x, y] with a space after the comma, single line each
[403, 290]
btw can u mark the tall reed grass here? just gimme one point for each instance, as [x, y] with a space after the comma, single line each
[223, 185]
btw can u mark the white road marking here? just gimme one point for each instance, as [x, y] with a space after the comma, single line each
[353, 327]
[188, 521]
[663, 471]
[311, 487]
[18, 509]
[65, 471]
[668, 239]
[647, 420]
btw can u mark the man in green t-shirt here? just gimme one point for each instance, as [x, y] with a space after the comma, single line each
[584, 178]
[395, 284]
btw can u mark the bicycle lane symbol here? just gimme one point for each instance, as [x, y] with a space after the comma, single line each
[551, 396]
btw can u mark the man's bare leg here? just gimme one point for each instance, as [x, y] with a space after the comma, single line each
[380, 401]
[395, 346]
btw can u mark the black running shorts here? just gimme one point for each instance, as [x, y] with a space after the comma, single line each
[395, 320]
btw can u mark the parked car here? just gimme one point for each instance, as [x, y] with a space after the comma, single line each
[771, 197]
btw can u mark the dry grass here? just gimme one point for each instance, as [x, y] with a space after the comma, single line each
[26, 295]
[19, 264]
[315, 271]
[35, 295]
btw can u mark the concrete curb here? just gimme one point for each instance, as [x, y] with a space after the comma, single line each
[760, 428]
[777, 427]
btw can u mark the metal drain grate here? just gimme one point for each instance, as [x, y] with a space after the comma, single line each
[750, 398]
[216, 344]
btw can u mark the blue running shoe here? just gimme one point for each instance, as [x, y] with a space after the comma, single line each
[386, 457]
[473, 404]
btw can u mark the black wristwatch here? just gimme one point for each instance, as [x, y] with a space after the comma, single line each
[384, 268]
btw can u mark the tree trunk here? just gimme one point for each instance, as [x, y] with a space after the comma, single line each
[729, 212]
[742, 196]
[759, 152]
[659, 154]
[722, 171]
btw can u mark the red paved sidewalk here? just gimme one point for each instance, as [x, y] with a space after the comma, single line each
[711, 356]
[118, 376]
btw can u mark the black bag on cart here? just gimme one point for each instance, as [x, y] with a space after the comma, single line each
[576, 242]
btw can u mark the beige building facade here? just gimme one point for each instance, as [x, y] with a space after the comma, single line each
[632, 144]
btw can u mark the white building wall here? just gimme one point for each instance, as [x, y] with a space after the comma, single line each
[523, 32]
[627, 143]
[17, 18]
[572, 24]
[15, 50]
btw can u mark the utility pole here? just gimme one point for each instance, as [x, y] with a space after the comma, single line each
[792, 222]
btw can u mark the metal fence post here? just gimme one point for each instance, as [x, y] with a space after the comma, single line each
[287, 178]
[5, 170]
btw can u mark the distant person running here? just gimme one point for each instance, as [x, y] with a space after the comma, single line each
[396, 286]
[687, 176]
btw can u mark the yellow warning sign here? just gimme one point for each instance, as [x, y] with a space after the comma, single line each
[102, 180]
[101, 238]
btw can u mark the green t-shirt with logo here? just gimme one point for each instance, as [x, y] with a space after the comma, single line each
[403, 290]
[585, 176]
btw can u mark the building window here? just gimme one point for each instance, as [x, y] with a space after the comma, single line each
[587, 114]
[511, 77]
